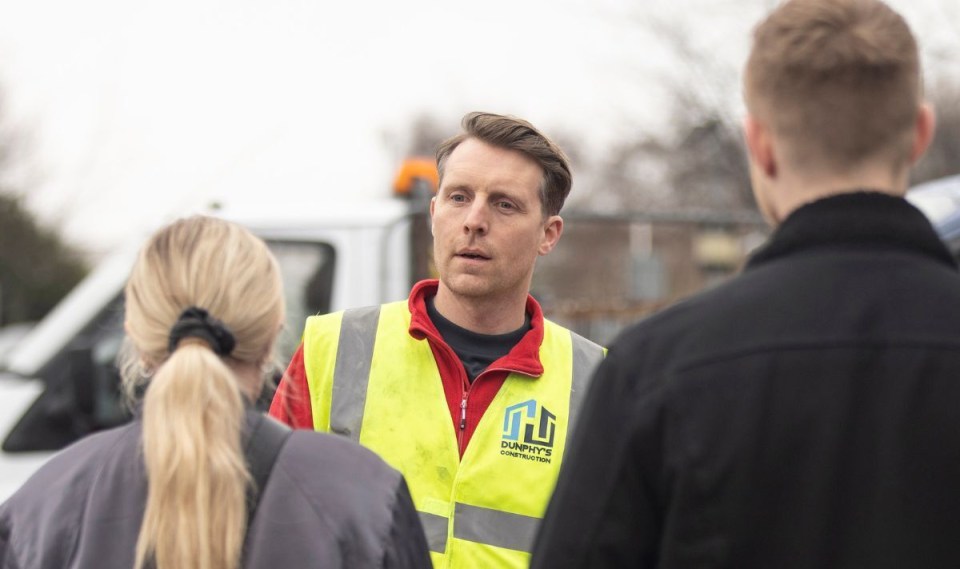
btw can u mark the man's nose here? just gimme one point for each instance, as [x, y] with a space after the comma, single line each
[477, 219]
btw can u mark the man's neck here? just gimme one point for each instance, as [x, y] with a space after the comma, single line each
[799, 191]
[483, 316]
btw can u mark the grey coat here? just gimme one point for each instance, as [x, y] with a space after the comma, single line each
[328, 503]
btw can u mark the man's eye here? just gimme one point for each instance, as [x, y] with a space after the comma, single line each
[505, 205]
[458, 198]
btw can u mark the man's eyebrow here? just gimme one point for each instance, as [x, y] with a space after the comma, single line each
[500, 194]
[517, 200]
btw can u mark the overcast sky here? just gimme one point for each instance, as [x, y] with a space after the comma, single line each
[135, 112]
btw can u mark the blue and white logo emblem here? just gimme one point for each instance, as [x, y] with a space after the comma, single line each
[528, 432]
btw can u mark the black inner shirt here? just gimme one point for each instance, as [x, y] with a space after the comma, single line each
[476, 351]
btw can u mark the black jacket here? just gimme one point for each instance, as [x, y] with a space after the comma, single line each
[328, 503]
[804, 415]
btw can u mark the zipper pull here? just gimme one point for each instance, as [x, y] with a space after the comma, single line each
[463, 413]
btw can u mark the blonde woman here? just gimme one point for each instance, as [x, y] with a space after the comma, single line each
[199, 479]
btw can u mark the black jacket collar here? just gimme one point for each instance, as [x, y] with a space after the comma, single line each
[854, 219]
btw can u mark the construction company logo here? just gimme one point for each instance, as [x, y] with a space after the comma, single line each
[528, 432]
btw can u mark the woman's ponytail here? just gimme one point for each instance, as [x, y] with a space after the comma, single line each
[197, 478]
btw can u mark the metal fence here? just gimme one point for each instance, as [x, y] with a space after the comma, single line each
[611, 270]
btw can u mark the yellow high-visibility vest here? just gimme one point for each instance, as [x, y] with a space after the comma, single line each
[371, 381]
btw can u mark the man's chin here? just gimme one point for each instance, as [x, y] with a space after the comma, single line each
[469, 286]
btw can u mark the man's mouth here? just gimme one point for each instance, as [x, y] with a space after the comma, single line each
[473, 256]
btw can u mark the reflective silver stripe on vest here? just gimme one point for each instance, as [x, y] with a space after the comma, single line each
[435, 528]
[351, 372]
[495, 527]
[586, 357]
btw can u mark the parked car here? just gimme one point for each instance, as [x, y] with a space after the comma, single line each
[940, 201]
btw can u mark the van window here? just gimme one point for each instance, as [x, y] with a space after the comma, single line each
[82, 392]
[307, 269]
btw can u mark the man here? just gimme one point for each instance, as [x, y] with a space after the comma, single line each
[806, 413]
[464, 387]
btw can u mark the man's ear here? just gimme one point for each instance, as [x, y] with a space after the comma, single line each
[433, 202]
[551, 234]
[760, 146]
[923, 131]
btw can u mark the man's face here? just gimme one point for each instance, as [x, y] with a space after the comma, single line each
[488, 222]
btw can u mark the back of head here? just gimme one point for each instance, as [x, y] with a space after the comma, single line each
[517, 134]
[193, 406]
[837, 81]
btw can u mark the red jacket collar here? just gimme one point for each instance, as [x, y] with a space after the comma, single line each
[524, 358]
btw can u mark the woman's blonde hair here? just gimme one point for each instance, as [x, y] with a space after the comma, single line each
[193, 408]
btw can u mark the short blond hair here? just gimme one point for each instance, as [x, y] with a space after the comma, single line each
[837, 80]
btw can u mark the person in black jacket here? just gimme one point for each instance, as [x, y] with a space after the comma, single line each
[805, 414]
[188, 483]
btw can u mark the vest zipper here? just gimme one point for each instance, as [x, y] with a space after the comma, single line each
[463, 422]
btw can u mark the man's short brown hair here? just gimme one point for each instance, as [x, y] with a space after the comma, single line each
[837, 80]
[512, 133]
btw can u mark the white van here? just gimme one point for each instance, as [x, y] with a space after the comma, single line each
[59, 382]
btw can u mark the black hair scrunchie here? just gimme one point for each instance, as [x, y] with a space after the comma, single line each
[197, 323]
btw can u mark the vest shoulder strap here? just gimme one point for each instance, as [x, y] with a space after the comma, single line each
[587, 356]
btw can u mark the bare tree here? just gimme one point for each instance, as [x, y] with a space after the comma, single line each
[699, 161]
[36, 267]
